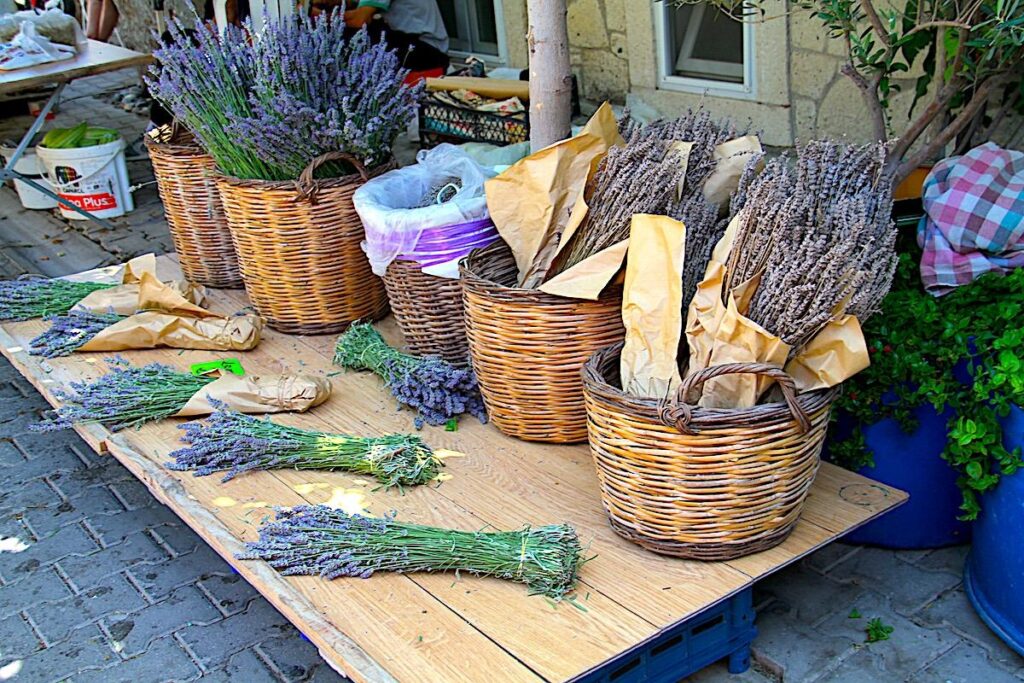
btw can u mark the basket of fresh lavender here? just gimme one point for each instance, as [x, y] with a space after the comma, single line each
[231, 442]
[296, 117]
[437, 390]
[38, 297]
[321, 541]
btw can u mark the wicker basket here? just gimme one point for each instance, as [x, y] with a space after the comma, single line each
[195, 214]
[428, 310]
[299, 251]
[705, 484]
[527, 347]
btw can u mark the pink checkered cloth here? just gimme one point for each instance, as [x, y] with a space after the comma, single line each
[974, 217]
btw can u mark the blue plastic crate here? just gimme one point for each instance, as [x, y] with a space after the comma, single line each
[722, 631]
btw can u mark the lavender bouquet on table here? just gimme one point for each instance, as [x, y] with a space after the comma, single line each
[38, 297]
[232, 441]
[125, 397]
[437, 390]
[318, 540]
[264, 104]
[70, 331]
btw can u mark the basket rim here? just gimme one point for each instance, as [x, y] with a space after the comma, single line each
[595, 381]
[473, 279]
[324, 183]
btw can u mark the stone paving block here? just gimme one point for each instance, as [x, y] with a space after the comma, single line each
[114, 528]
[295, 659]
[48, 520]
[33, 494]
[810, 596]
[17, 640]
[230, 593]
[793, 646]
[134, 632]
[159, 580]
[45, 551]
[78, 483]
[213, 644]
[114, 596]
[55, 460]
[906, 586]
[85, 650]
[965, 663]
[43, 444]
[163, 661]
[90, 570]
[953, 610]
[949, 560]
[9, 455]
[42, 585]
[177, 538]
[910, 647]
[133, 494]
[244, 666]
[716, 673]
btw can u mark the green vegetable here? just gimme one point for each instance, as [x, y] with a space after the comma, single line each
[82, 135]
[877, 631]
[854, 614]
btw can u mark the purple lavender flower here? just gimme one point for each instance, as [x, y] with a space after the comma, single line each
[37, 297]
[437, 390]
[70, 332]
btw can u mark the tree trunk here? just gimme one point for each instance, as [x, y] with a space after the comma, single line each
[550, 76]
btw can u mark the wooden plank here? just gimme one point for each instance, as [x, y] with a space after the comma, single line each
[414, 627]
[94, 58]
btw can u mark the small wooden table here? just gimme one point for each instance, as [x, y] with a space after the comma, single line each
[436, 627]
[94, 58]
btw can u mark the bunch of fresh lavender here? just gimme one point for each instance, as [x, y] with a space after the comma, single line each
[37, 297]
[264, 104]
[70, 331]
[232, 441]
[125, 397]
[321, 541]
[436, 389]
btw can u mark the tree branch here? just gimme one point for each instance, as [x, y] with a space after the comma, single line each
[869, 91]
[876, 23]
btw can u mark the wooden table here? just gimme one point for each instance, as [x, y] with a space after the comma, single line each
[434, 627]
[92, 59]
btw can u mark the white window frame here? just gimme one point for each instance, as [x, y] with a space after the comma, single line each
[499, 59]
[665, 62]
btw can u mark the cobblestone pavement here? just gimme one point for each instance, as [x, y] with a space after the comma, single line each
[111, 586]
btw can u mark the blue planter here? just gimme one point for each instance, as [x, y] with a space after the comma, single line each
[994, 575]
[912, 463]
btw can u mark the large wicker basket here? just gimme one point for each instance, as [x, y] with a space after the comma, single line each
[527, 347]
[298, 249]
[192, 205]
[428, 310]
[704, 484]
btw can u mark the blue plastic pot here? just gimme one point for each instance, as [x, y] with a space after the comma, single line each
[913, 463]
[994, 574]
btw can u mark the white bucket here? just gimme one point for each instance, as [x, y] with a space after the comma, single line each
[92, 178]
[28, 165]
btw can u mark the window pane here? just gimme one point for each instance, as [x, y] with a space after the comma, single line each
[705, 43]
[486, 23]
[448, 15]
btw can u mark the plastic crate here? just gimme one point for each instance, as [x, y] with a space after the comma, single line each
[444, 122]
[722, 631]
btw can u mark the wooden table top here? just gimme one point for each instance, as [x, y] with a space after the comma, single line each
[431, 627]
[94, 58]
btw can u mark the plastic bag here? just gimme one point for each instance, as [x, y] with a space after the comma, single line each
[52, 24]
[28, 48]
[390, 206]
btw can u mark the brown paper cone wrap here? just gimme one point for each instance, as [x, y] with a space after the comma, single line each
[256, 394]
[124, 299]
[652, 301]
[732, 157]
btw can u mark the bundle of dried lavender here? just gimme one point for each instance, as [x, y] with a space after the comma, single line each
[821, 237]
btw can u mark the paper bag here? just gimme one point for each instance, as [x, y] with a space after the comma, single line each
[124, 299]
[836, 354]
[731, 157]
[530, 202]
[652, 301]
[167, 318]
[256, 394]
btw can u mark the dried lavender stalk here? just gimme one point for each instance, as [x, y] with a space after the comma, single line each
[232, 441]
[70, 332]
[38, 297]
[437, 390]
[321, 541]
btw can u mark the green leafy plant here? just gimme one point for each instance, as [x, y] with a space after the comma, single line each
[964, 351]
[877, 630]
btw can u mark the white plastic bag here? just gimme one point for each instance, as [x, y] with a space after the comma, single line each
[389, 205]
[28, 48]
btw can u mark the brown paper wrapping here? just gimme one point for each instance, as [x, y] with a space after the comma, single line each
[123, 273]
[835, 355]
[731, 157]
[167, 318]
[530, 203]
[260, 394]
[124, 299]
[652, 301]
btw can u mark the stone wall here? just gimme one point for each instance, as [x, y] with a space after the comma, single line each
[137, 20]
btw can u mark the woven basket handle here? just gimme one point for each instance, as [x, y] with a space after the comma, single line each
[678, 413]
[308, 187]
